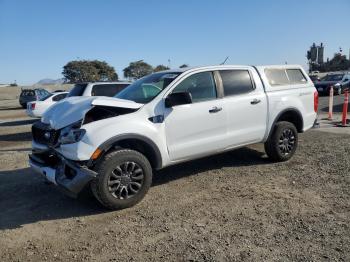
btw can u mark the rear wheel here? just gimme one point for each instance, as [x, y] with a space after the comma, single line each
[124, 177]
[283, 142]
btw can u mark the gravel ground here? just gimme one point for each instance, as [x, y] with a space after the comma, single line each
[236, 206]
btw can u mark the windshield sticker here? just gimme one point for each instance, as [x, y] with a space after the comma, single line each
[170, 76]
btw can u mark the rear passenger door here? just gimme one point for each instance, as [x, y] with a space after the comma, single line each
[246, 105]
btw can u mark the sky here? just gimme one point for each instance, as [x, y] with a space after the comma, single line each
[38, 37]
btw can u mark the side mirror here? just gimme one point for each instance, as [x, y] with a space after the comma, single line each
[180, 98]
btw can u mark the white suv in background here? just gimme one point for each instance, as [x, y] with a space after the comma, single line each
[113, 144]
[97, 88]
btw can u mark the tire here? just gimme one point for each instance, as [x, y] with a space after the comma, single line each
[283, 142]
[24, 106]
[119, 172]
[339, 91]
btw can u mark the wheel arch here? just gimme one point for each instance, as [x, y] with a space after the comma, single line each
[136, 142]
[291, 115]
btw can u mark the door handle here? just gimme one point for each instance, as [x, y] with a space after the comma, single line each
[255, 101]
[215, 109]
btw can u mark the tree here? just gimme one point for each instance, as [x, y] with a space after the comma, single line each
[88, 71]
[137, 69]
[337, 63]
[184, 65]
[160, 68]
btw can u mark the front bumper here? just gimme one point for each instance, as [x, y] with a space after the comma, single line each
[69, 176]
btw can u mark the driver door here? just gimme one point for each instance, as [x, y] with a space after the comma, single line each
[199, 128]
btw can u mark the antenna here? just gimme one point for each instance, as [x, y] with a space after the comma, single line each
[224, 60]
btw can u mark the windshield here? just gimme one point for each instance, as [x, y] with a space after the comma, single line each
[333, 78]
[148, 87]
[77, 90]
[45, 97]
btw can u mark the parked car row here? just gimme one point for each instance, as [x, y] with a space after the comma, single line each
[29, 95]
[339, 82]
[37, 108]
[37, 101]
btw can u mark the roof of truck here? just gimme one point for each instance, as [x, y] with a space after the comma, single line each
[180, 70]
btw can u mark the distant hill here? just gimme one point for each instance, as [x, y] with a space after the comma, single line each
[48, 81]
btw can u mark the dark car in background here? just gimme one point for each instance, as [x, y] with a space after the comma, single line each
[314, 78]
[339, 81]
[30, 95]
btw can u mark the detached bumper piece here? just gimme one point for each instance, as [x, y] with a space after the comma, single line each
[68, 175]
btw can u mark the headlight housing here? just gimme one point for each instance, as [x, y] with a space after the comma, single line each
[71, 134]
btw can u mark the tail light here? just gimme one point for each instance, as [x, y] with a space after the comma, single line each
[32, 106]
[316, 101]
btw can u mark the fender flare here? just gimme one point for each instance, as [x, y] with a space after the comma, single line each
[293, 109]
[109, 143]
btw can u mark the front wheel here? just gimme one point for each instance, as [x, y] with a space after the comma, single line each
[283, 142]
[124, 177]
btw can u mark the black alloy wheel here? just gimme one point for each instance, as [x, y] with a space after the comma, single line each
[125, 180]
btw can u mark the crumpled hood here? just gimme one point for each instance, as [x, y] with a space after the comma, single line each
[73, 109]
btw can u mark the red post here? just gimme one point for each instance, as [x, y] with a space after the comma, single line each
[345, 108]
[330, 105]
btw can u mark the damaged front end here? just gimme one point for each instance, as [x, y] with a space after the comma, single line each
[51, 135]
[70, 176]
[103, 112]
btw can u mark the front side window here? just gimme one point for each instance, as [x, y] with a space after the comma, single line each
[201, 86]
[148, 87]
[236, 82]
[296, 76]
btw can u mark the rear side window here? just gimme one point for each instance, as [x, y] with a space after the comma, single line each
[236, 82]
[107, 89]
[296, 76]
[201, 86]
[277, 77]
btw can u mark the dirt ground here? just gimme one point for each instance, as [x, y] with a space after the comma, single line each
[236, 206]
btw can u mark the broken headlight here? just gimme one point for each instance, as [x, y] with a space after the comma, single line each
[71, 134]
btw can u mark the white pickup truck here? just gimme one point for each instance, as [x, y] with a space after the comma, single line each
[113, 144]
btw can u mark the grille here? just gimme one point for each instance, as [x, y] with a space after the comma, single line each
[42, 134]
